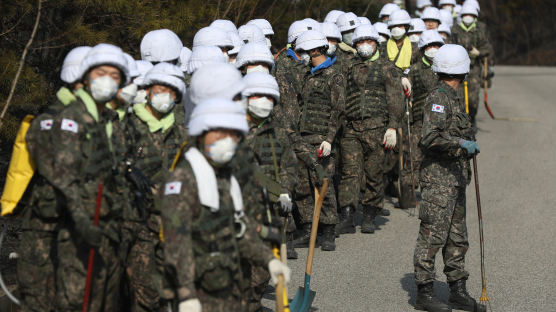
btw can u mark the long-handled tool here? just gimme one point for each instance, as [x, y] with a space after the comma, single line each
[484, 299]
[485, 74]
[282, 303]
[410, 142]
[401, 196]
[305, 296]
[466, 95]
[92, 252]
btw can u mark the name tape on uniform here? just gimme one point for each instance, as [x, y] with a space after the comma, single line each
[46, 124]
[172, 188]
[70, 125]
[438, 108]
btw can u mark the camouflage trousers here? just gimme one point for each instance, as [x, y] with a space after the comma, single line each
[223, 301]
[442, 214]
[416, 154]
[140, 289]
[72, 258]
[305, 197]
[36, 272]
[362, 162]
[258, 283]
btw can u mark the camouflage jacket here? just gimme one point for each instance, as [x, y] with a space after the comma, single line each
[289, 71]
[472, 36]
[423, 80]
[445, 122]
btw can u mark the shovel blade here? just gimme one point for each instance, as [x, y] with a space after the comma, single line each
[302, 301]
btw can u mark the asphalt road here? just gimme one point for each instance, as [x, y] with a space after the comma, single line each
[517, 173]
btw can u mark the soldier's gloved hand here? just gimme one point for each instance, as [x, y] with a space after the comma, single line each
[191, 305]
[270, 234]
[471, 147]
[406, 86]
[319, 174]
[92, 235]
[275, 268]
[390, 139]
[325, 149]
[139, 180]
[474, 53]
[285, 203]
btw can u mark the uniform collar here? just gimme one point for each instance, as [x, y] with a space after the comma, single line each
[426, 62]
[447, 89]
[65, 96]
[90, 104]
[291, 54]
[468, 29]
[374, 57]
[121, 111]
[329, 62]
[154, 124]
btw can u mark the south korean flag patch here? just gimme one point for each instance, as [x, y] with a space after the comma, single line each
[69, 125]
[172, 188]
[437, 108]
[46, 124]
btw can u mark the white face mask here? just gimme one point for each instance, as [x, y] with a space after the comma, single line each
[222, 151]
[242, 102]
[261, 107]
[414, 37]
[331, 49]
[447, 7]
[162, 102]
[468, 19]
[258, 68]
[430, 53]
[397, 32]
[268, 43]
[347, 38]
[226, 56]
[305, 58]
[382, 39]
[103, 89]
[141, 97]
[129, 93]
[366, 50]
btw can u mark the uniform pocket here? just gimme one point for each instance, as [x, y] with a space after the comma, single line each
[213, 271]
[435, 199]
[46, 203]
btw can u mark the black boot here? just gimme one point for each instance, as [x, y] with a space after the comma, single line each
[303, 240]
[346, 225]
[368, 224]
[460, 298]
[427, 301]
[328, 237]
[383, 212]
[291, 253]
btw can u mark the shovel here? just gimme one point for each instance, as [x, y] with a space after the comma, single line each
[305, 296]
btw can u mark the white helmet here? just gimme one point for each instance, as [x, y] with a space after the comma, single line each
[474, 3]
[428, 37]
[347, 21]
[443, 2]
[387, 10]
[469, 9]
[431, 13]
[399, 17]
[202, 56]
[105, 54]
[312, 24]
[332, 16]
[417, 26]
[296, 28]
[225, 25]
[184, 58]
[363, 32]
[143, 67]
[261, 83]
[251, 34]
[217, 113]
[382, 29]
[264, 25]
[210, 36]
[364, 20]
[330, 30]
[72, 64]
[451, 59]
[445, 29]
[311, 39]
[423, 3]
[215, 80]
[131, 66]
[446, 17]
[237, 41]
[169, 75]
[254, 53]
[161, 45]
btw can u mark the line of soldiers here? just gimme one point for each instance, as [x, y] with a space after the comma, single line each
[199, 162]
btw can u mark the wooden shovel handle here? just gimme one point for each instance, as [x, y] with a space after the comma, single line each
[280, 294]
[319, 198]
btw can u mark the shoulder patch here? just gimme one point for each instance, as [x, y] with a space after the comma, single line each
[69, 125]
[46, 124]
[437, 108]
[172, 188]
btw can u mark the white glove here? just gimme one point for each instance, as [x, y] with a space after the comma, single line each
[276, 267]
[285, 203]
[406, 85]
[390, 139]
[325, 149]
[474, 53]
[191, 305]
[13, 255]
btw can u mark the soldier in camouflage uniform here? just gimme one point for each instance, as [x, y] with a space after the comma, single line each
[447, 142]
[289, 67]
[373, 110]
[475, 40]
[36, 278]
[346, 23]
[84, 165]
[207, 234]
[154, 138]
[320, 119]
